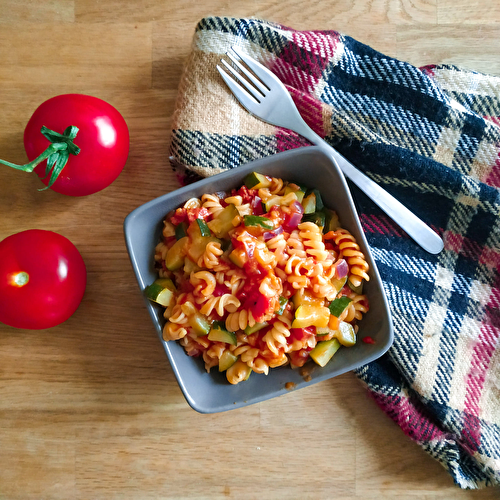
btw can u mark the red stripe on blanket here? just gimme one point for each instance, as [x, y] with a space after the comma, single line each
[490, 257]
[303, 59]
[467, 247]
[286, 139]
[494, 301]
[380, 225]
[412, 421]
[474, 381]
[494, 119]
[310, 109]
[493, 177]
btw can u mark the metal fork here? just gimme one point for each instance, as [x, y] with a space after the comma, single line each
[268, 99]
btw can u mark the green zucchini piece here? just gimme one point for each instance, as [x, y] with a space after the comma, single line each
[324, 351]
[319, 200]
[204, 229]
[227, 360]
[356, 289]
[220, 334]
[271, 202]
[257, 181]
[317, 218]
[223, 223]
[346, 334]
[322, 331]
[337, 306]
[338, 283]
[238, 256]
[255, 328]
[199, 323]
[331, 221]
[190, 266]
[226, 245]
[309, 204]
[299, 193]
[198, 242]
[258, 220]
[181, 230]
[161, 291]
[176, 254]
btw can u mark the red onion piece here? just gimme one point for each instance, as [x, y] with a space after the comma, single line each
[342, 268]
[298, 207]
[268, 235]
[294, 221]
[257, 206]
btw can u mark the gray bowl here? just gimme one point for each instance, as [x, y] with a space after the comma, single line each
[211, 393]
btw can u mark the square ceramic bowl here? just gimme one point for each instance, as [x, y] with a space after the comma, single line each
[210, 392]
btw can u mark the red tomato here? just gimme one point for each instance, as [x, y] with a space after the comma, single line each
[103, 138]
[42, 279]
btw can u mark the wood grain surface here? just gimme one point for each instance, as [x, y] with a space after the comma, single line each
[91, 409]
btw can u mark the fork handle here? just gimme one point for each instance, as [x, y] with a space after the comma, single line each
[420, 232]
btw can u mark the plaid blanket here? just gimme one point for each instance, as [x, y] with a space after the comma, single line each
[431, 137]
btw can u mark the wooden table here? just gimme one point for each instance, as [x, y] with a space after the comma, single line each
[91, 409]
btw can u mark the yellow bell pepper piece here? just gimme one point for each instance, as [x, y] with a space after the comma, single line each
[311, 315]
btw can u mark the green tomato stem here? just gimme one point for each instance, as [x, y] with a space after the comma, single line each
[29, 167]
[56, 154]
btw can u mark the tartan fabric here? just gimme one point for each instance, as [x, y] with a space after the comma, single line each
[431, 137]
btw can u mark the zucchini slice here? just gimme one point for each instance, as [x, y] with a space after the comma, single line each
[346, 334]
[223, 223]
[175, 256]
[181, 230]
[309, 203]
[337, 306]
[324, 351]
[317, 218]
[204, 229]
[338, 283]
[161, 291]
[258, 220]
[238, 257]
[199, 323]
[200, 236]
[255, 328]
[227, 360]
[331, 221]
[299, 193]
[218, 333]
[257, 181]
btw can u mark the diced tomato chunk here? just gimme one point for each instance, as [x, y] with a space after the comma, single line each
[220, 289]
[197, 213]
[247, 194]
[302, 334]
[179, 216]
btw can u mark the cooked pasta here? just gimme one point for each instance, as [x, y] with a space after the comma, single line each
[256, 279]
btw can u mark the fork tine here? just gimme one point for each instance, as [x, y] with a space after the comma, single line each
[246, 100]
[264, 89]
[243, 83]
[265, 75]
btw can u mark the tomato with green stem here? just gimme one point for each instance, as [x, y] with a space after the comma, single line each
[77, 144]
[42, 279]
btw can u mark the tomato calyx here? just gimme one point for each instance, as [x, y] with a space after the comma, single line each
[56, 154]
